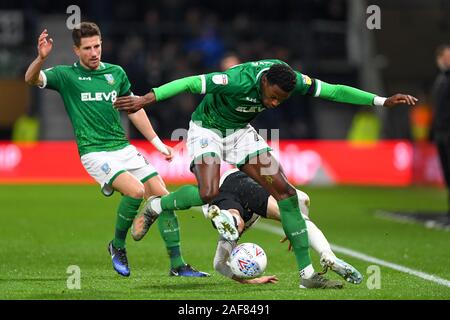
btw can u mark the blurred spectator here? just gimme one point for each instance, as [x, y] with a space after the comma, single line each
[206, 42]
[229, 60]
[421, 118]
[441, 114]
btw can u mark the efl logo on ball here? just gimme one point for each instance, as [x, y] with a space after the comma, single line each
[248, 260]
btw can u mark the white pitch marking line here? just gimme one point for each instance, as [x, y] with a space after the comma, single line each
[367, 258]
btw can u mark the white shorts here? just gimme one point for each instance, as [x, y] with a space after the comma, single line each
[236, 148]
[105, 166]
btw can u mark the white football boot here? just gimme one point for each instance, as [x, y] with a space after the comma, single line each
[224, 223]
[342, 268]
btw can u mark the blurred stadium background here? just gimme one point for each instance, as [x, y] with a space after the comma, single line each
[322, 143]
[159, 41]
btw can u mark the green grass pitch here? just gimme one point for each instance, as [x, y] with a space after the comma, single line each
[46, 229]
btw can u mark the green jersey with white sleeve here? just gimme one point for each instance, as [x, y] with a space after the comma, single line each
[233, 97]
[88, 96]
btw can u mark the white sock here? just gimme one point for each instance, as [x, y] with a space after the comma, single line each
[307, 272]
[156, 205]
[317, 239]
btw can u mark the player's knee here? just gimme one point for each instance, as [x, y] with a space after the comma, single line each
[287, 193]
[208, 194]
[303, 202]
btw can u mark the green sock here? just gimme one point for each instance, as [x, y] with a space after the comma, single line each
[184, 198]
[170, 232]
[128, 208]
[294, 227]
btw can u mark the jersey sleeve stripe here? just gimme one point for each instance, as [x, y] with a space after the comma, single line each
[319, 87]
[260, 72]
[44, 80]
[203, 78]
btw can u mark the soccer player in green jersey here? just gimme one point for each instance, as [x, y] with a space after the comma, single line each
[220, 129]
[88, 89]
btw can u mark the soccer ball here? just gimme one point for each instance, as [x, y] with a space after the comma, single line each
[248, 260]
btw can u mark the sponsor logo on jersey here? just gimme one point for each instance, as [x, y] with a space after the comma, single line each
[306, 80]
[220, 79]
[297, 233]
[250, 109]
[262, 63]
[109, 77]
[251, 99]
[99, 96]
[85, 78]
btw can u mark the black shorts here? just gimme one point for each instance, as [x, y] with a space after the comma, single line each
[241, 192]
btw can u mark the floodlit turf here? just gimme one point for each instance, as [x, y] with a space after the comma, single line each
[46, 229]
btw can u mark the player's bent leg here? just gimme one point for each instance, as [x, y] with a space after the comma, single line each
[207, 172]
[266, 171]
[168, 228]
[292, 221]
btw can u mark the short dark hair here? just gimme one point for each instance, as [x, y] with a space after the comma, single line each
[283, 76]
[441, 48]
[85, 30]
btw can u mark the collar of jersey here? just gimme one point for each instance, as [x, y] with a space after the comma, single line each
[83, 69]
[258, 81]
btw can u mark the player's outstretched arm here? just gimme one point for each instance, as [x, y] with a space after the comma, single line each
[132, 104]
[347, 94]
[44, 47]
[141, 121]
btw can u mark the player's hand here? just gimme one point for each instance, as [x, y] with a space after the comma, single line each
[169, 157]
[44, 45]
[261, 280]
[290, 244]
[131, 104]
[399, 98]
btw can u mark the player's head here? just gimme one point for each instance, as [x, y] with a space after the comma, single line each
[87, 44]
[277, 84]
[443, 57]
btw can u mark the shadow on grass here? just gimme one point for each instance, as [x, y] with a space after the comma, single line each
[178, 286]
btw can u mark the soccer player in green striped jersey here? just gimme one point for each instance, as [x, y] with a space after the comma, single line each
[220, 130]
[88, 89]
